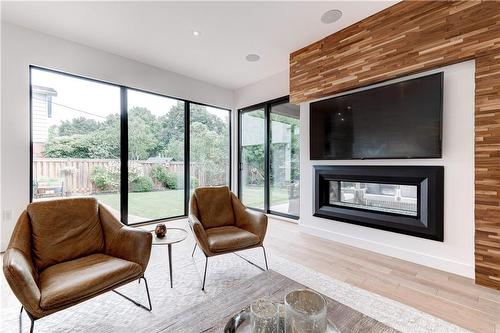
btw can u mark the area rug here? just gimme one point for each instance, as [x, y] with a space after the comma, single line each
[111, 313]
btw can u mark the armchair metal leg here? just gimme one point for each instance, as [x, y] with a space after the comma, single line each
[32, 326]
[194, 249]
[252, 263]
[21, 320]
[205, 274]
[265, 257]
[206, 264]
[135, 302]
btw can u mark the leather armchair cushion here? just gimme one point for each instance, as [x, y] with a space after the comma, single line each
[214, 206]
[76, 280]
[230, 238]
[64, 230]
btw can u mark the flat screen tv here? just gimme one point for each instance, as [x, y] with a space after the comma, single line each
[398, 120]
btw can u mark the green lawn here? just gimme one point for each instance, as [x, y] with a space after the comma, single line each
[149, 205]
[162, 204]
[253, 196]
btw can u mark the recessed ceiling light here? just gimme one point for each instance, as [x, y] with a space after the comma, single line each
[252, 57]
[331, 16]
[196, 33]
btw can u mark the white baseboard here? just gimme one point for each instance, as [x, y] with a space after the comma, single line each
[392, 251]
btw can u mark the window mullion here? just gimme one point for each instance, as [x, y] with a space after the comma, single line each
[187, 163]
[123, 155]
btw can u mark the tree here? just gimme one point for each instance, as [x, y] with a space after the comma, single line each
[143, 134]
[90, 145]
[210, 150]
[148, 136]
[80, 125]
[175, 150]
[172, 124]
[173, 130]
[199, 114]
[92, 140]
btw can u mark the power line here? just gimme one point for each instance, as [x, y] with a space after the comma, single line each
[71, 108]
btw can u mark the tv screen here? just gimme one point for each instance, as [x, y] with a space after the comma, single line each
[398, 120]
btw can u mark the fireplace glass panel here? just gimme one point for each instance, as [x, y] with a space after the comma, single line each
[388, 198]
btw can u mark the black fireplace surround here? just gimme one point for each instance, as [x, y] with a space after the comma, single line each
[402, 199]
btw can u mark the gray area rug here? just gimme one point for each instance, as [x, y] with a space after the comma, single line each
[111, 313]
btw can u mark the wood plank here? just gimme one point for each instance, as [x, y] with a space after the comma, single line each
[451, 297]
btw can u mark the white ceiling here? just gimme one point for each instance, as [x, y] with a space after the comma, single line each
[160, 33]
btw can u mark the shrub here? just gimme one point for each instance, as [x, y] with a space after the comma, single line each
[164, 177]
[141, 184]
[104, 179]
[135, 170]
[107, 178]
[195, 182]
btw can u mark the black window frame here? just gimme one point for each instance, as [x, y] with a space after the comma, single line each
[266, 106]
[124, 142]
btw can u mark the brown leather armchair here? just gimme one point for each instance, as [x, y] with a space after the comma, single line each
[63, 252]
[222, 224]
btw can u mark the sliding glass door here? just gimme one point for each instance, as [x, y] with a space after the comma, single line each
[252, 158]
[126, 147]
[269, 177]
[284, 166]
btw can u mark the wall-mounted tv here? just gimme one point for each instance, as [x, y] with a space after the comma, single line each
[398, 120]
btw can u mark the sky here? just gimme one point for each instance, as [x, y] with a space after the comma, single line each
[79, 97]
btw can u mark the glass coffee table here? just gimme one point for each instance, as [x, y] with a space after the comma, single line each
[174, 235]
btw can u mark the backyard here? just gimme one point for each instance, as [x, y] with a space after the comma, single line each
[161, 204]
[77, 149]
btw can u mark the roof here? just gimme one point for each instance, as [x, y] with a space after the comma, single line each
[43, 90]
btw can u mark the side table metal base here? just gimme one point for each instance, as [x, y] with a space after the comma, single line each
[170, 265]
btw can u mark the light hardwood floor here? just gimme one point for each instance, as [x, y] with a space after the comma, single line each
[448, 296]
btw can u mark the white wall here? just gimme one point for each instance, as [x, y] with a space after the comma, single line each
[456, 253]
[262, 91]
[20, 48]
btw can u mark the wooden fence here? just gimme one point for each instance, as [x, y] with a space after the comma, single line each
[74, 174]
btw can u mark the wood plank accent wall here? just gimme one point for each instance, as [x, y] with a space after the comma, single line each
[410, 37]
[406, 38]
[487, 166]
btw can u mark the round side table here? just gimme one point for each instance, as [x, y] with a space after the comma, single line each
[174, 235]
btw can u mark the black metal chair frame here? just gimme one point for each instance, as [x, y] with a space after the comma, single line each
[33, 318]
[206, 260]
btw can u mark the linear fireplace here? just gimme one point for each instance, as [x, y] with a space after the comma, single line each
[403, 199]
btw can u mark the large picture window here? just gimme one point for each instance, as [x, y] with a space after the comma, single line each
[125, 147]
[155, 156]
[269, 178]
[210, 150]
[75, 137]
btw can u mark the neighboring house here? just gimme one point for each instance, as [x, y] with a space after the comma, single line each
[42, 112]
